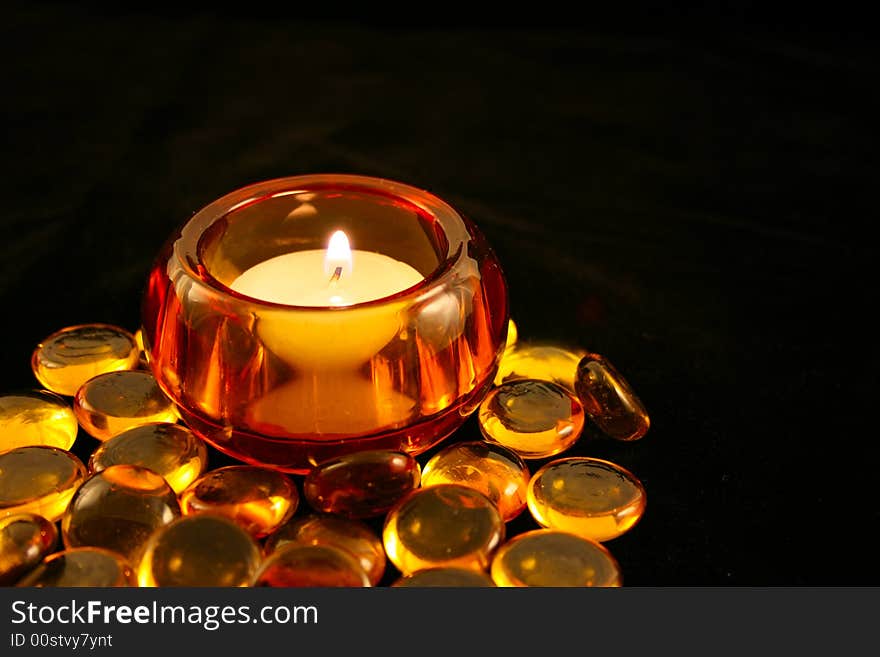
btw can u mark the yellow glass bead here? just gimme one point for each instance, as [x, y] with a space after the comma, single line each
[39, 480]
[169, 450]
[200, 550]
[533, 418]
[25, 539]
[443, 525]
[445, 577]
[118, 509]
[352, 536]
[512, 335]
[609, 401]
[143, 354]
[68, 358]
[497, 472]
[80, 567]
[545, 557]
[545, 362]
[586, 496]
[258, 499]
[111, 403]
[295, 565]
[36, 417]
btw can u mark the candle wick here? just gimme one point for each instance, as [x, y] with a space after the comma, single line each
[337, 274]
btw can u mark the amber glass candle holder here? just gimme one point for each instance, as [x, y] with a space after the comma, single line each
[290, 385]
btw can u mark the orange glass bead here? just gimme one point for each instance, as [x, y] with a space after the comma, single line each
[497, 472]
[535, 419]
[39, 480]
[545, 362]
[446, 577]
[545, 557]
[114, 402]
[295, 565]
[25, 539]
[609, 401]
[80, 567]
[36, 417]
[362, 484]
[68, 358]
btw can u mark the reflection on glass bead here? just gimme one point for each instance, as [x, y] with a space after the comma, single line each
[36, 417]
[544, 362]
[81, 567]
[353, 536]
[609, 401]
[114, 402]
[295, 565]
[497, 472]
[443, 525]
[117, 509]
[512, 335]
[586, 496]
[533, 418]
[200, 550]
[362, 484]
[258, 499]
[38, 480]
[545, 557]
[445, 577]
[143, 354]
[68, 358]
[25, 539]
[169, 450]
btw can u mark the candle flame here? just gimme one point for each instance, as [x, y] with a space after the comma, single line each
[338, 255]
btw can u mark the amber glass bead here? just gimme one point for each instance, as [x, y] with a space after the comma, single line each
[200, 550]
[114, 402]
[497, 472]
[609, 401]
[295, 565]
[38, 480]
[25, 539]
[544, 362]
[447, 577]
[533, 418]
[443, 525]
[586, 496]
[68, 358]
[117, 509]
[79, 567]
[353, 536]
[36, 417]
[512, 335]
[362, 484]
[545, 557]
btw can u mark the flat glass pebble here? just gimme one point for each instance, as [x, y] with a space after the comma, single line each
[545, 557]
[118, 509]
[111, 403]
[68, 358]
[361, 485]
[447, 577]
[609, 401]
[200, 550]
[586, 496]
[444, 525]
[295, 565]
[25, 539]
[512, 334]
[36, 417]
[80, 567]
[497, 472]
[39, 480]
[535, 419]
[545, 362]
[169, 450]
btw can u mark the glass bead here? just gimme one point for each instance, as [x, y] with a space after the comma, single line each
[443, 525]
[25, 539]
[535, 419]
[497, 472]
[169, 450]
[446, 577]
[609, 401]
[36, 417]
[545, 362]
[80, 567]
[201, 550]
[586, 496]
[545, 557]
[68, 358]
[39, 480]
[353, 536]
[143, 354]
[295, 565]
[114, 402]
[258, 499]
[362, 484]
[512, 335]
[117, 509]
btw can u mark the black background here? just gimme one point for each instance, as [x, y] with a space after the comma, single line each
[687, 194]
